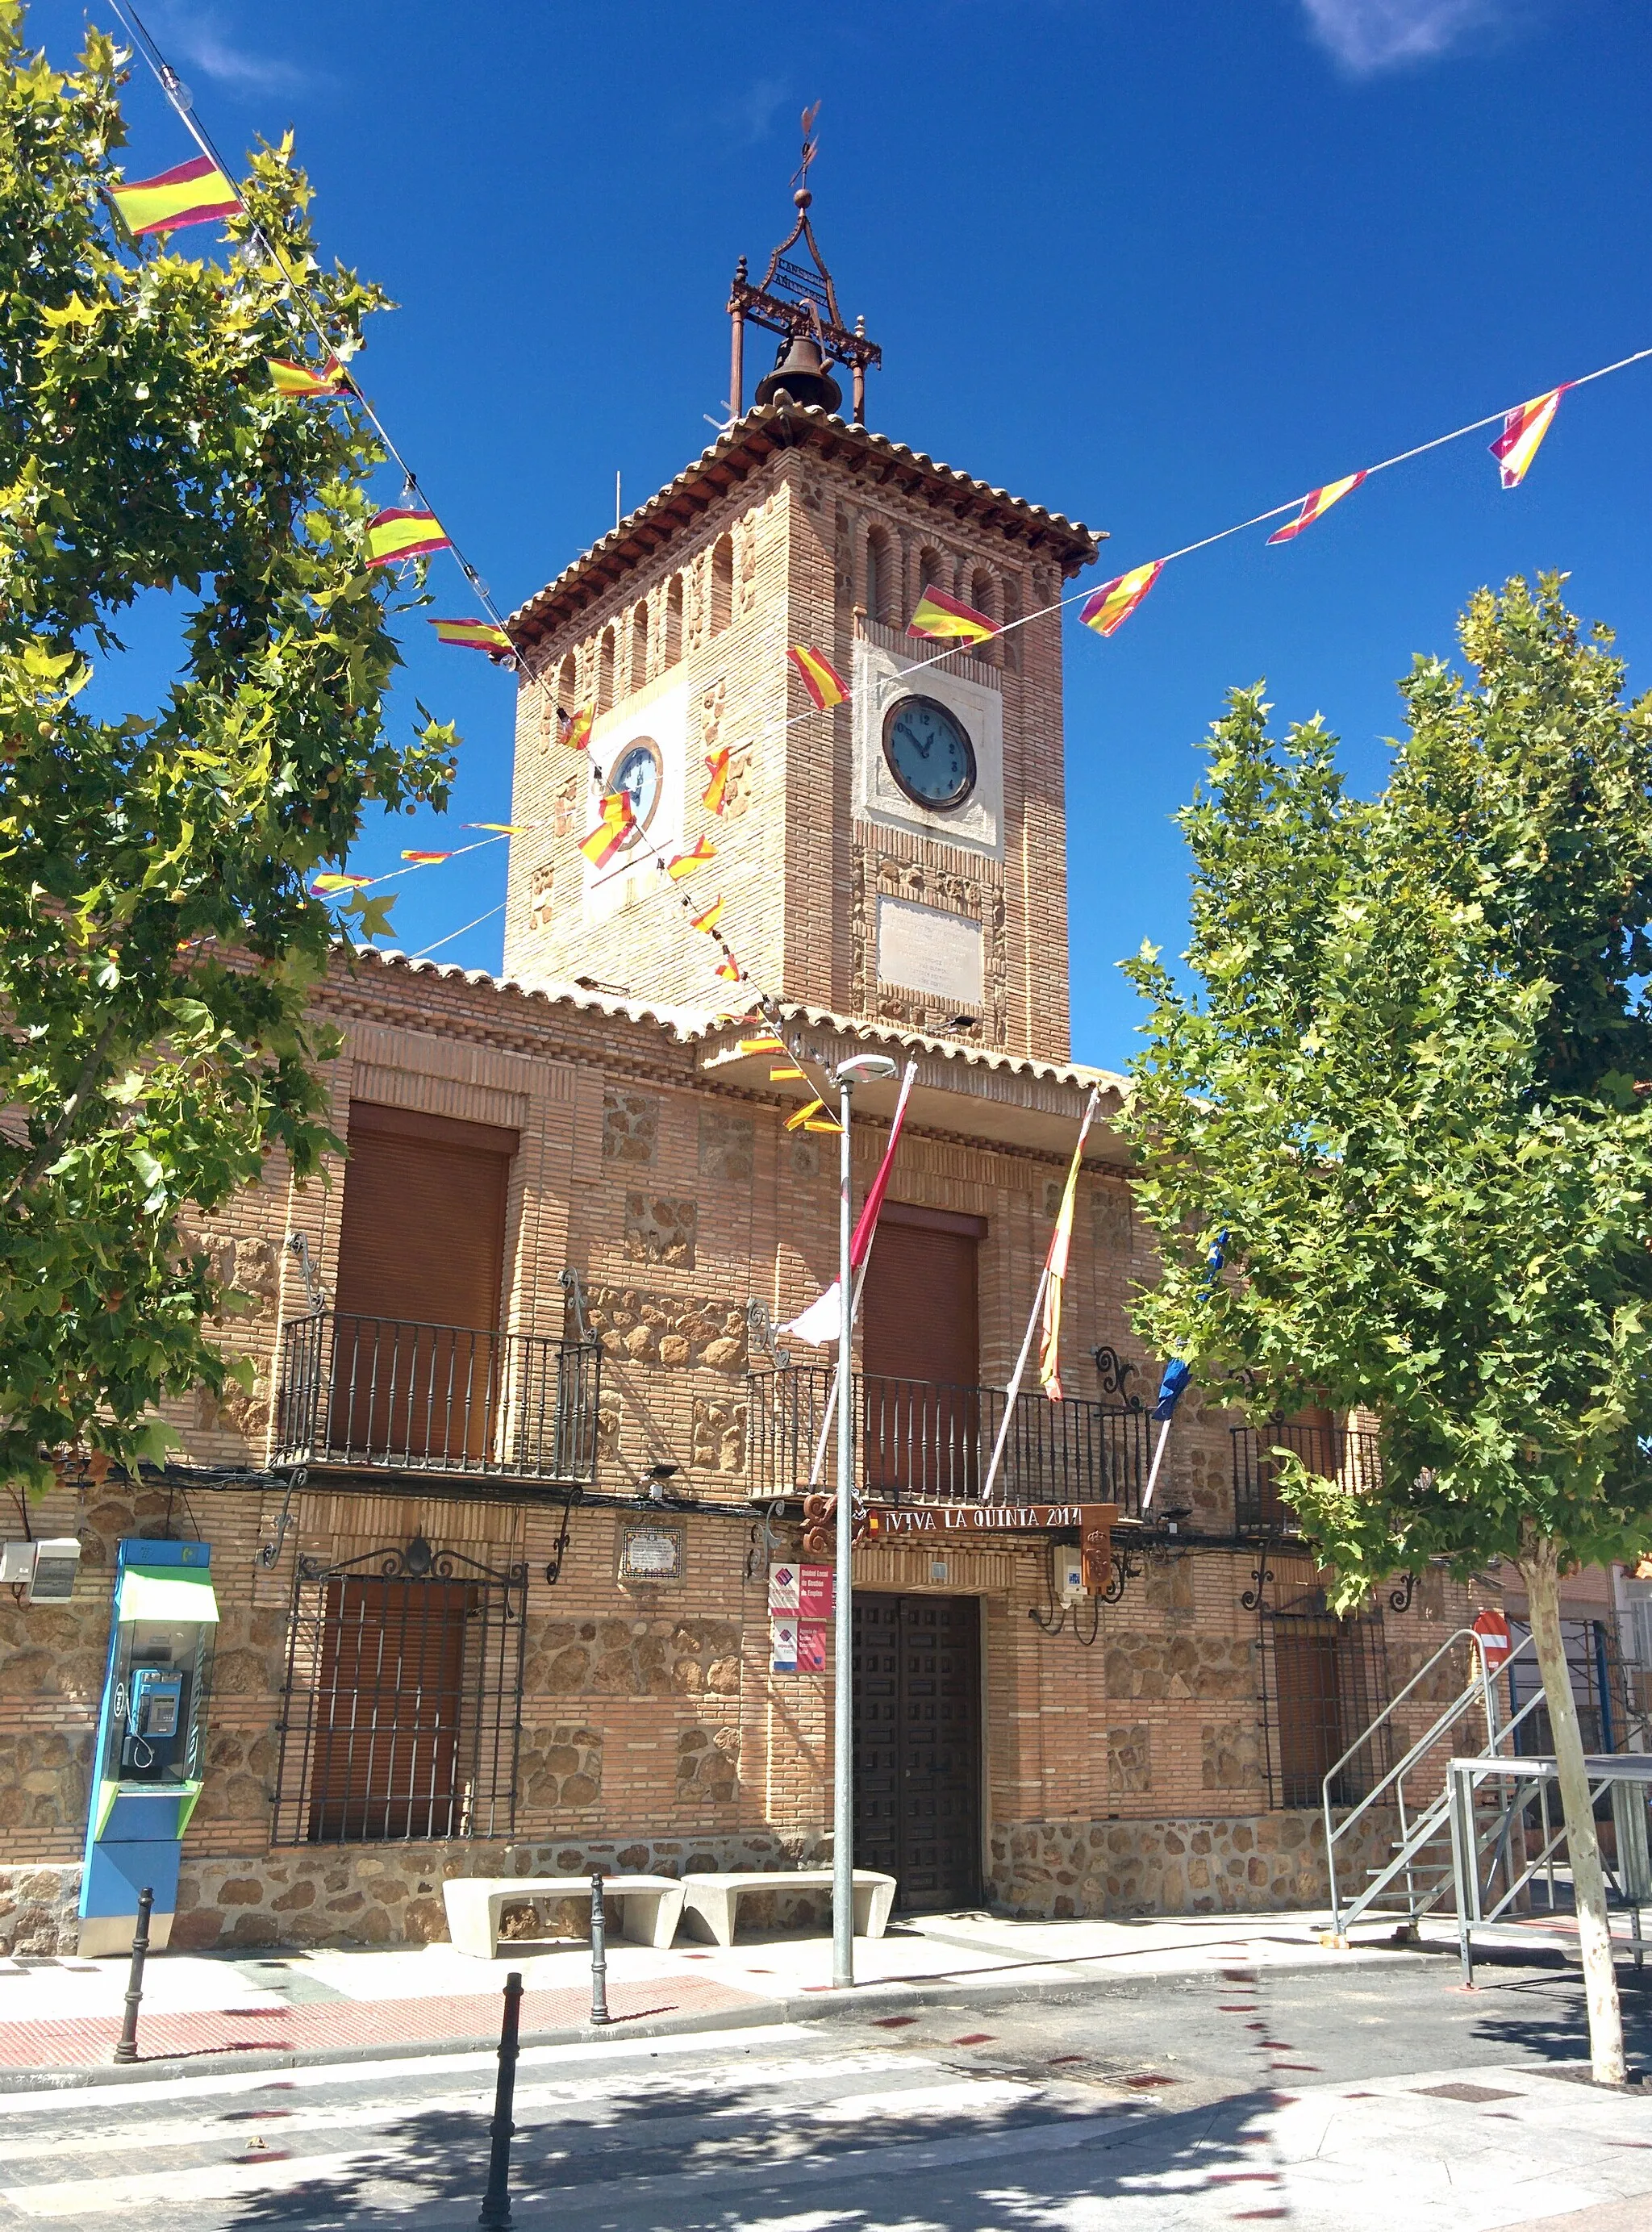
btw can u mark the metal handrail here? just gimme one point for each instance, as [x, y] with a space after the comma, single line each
[1479, 1691]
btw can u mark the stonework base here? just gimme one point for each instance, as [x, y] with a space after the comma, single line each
[1217, 1864]
[40, 1910]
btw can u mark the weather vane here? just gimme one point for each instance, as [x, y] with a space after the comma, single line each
[798, 301]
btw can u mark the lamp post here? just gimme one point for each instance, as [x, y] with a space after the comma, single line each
[858, 1069]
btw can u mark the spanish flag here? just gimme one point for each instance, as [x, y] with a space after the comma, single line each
[615, 827]
[685, 864]
[502, 828]
[728, 969]
[1317, 503]
[191, 194]
[947, 620]
[821, 678]
[574, 729]
[289, 379]
[473, 635]
[768, 1044]
[396, 535]
[324, 886]
[1522, 435]
[1107, 608]
[708, 921]
[1049, 1359]
[796, 1121]
[716, 790]
[788, 1074]
[427, 859]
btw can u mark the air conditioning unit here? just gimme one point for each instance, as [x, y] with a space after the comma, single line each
[56, 1565]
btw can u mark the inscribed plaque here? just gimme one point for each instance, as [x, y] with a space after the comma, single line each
[929, 950]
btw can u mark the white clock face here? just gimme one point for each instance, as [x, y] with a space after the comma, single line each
[929, 752]
[640, 773]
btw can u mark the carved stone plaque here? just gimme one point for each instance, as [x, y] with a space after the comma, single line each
[928, 949]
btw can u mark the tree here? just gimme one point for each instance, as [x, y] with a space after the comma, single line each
[157, 948]
[1411, 1084]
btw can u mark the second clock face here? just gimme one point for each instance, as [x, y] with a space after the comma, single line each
[929, 752]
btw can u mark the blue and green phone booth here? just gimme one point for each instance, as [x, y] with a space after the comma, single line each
[152, 1736]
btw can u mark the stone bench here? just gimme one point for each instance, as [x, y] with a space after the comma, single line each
[652, 1906]
[710, 1902]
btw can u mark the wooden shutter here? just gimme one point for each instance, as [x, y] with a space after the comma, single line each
[388, 1714]
[921, 1350]
[416, 1357]
[1309, 1717]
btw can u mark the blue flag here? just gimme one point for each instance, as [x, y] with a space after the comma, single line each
[1172, 1389]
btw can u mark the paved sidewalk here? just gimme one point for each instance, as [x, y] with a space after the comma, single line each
[57, 2016]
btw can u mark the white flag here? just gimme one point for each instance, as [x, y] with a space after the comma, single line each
[821, 1322]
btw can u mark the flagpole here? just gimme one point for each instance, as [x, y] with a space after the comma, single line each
[1014, 1388]
[832, 1399]
[1153, 1469]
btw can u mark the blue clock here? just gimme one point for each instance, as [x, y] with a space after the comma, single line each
[640, 772]
[929, 752]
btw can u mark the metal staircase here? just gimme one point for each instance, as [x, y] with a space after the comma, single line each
[1468, 1845]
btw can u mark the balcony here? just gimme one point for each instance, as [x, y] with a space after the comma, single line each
[921, 1443]
[396, 1397]
[1350, 1456]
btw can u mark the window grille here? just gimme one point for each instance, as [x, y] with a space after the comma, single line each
[402, 1706]
[1324, 1681]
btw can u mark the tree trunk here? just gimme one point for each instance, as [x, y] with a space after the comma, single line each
[1539, 1569]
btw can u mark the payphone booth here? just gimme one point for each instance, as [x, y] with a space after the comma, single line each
[151, 1735]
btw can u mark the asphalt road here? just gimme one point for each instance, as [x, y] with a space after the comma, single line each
[1156, 2103]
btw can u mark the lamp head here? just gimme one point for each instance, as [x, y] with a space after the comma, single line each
[863, 1069]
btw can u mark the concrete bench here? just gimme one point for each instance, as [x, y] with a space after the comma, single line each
[652, 1906]
[710, 1902]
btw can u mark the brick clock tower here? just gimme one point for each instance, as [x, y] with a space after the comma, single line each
[890, 859]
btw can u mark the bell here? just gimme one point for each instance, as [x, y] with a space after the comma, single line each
[801, 374]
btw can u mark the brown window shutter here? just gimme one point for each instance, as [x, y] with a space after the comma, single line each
[385, 1760]
[423, 1234]
[921, 1314]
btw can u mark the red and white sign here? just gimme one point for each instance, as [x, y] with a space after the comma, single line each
[811, 1647]
[814, 1597]
[1495, 1641]
[782, 1589]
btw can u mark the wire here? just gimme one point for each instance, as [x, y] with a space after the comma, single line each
[424, 950]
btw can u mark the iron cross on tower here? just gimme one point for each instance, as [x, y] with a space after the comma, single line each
[798, 301]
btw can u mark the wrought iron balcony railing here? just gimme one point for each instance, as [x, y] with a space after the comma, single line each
[918, 1442]
[1347, 1454]
[393, 1395]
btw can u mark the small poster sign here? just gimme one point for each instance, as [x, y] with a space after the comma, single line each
[1495, 1641]
[782, 1589]
[811, 1647]
[814, 1592]
[782, 1646]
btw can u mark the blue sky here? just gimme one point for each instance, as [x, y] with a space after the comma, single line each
[1155, 267]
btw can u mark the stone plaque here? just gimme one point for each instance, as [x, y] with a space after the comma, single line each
[929, 950]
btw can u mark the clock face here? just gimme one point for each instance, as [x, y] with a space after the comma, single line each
[929, 752]
[640, 773]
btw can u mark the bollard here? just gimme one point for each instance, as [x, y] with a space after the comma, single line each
[126, 2049]
[599, 1951]
[495, 2202]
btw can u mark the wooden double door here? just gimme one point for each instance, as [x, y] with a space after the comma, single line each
[917, 1746]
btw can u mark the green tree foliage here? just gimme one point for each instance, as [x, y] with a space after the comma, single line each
[1410, 1083]
[157, 948]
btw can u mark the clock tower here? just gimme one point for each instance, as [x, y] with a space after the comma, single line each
[901, 857]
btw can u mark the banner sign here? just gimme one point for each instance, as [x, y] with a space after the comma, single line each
[885, 1519]
[814, 1592]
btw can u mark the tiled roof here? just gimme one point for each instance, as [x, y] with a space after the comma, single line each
[737, 452]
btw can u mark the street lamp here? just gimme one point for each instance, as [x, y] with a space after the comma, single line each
[859, 1070]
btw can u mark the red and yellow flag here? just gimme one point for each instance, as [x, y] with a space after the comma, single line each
[728, 969]
[716, 789]
[820, 678]
[768, 1044]
[289, 379]
[948, 620]
[191, 194]
[1317, 503]
[324, 886]
[1106, 609]
[502, 828]
[617, 822]
[796, 1121]
[685, 864]
[573, 729]
[708, 921]
[1049, 1358]
[787, 1074]
[396, 535]
[427, 859]
[473, 635]
[1522, 435]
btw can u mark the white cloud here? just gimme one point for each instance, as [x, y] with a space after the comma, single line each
[751, 113]
[195, 40]
[1374, 35]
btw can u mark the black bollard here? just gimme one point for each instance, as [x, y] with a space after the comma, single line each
[495, 2202]
[126, 2049]
[599, 1951]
